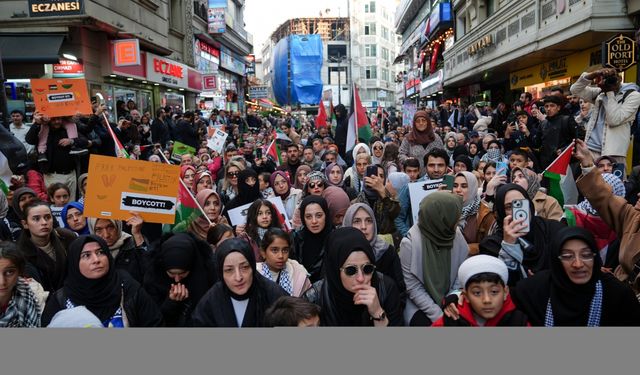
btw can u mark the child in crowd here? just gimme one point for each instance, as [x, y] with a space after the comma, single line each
[290, 311]
[59, 195]
[486, 300]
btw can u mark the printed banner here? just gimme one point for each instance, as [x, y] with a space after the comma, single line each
[61, 97]
[217, 140]
[116, 187]
[418, 191]
[180, 149]
[238, 216]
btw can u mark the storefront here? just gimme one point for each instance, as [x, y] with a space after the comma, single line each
[561, 72]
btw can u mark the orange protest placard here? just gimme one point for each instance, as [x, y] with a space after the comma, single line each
[116, 187]
[61, 97]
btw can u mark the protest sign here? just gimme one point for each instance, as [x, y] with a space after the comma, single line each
[180, 149]
[61, 97]
[116, 187]
[418, 191]
[238, 216]
[217, 140]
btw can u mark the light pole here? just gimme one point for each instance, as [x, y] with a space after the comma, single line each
[338, 59]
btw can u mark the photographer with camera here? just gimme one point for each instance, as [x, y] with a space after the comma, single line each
[614, 109]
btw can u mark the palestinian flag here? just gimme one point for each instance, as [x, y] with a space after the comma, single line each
[186, 211]
[321, 119]
[274, 151]
[120, 151]
[281, 136]
[359, 126]
[562, 185]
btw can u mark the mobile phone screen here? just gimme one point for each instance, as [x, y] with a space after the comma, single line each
[501, 168]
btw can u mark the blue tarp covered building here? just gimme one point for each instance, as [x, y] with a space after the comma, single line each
[296, 66]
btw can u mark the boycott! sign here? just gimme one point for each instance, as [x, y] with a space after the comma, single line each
[61, 97]
[116, 187]
[418, 191]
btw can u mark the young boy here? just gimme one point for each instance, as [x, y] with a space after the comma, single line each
[518, 158]
[290, 311]
[486, 299]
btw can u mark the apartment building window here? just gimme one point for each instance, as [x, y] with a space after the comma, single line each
[370, 8]
[385, 74]
[385, 33]
[176, 15]
[369, 28]
[370, 50]
[371, 72]
[491, 7]
[384, 53]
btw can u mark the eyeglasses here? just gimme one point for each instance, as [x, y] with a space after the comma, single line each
[313, 185]
[233, 174]
[352, 270]
[570, 257]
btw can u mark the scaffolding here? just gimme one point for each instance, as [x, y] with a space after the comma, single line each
[329, 28]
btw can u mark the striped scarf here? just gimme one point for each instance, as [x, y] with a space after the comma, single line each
[284, 279]
[595, 310]
[23, 308]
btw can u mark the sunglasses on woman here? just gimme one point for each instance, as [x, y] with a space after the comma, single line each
[352, 270]
[377, 148]
[233, 174]
[313, 185]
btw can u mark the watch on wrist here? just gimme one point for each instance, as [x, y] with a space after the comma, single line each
[382, 317]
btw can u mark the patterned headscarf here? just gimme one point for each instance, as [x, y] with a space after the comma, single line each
[617, 187]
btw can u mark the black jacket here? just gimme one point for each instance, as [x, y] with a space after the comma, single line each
[139, 307]
[554, 134]
[187, 133]
[49, 273]
[159, 132]
[342, 126]
[313, 266]
[59, 160]
[131, 258]
[215, 308]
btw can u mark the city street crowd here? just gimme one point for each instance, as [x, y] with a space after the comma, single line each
[351, 252]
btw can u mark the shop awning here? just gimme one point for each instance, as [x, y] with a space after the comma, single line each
[31, 48]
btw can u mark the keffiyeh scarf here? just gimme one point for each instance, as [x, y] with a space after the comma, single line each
[284, 279]
[23, 308]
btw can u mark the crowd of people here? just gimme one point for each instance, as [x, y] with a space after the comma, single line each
[350, 253]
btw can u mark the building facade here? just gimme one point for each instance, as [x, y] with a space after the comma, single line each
[38, 37]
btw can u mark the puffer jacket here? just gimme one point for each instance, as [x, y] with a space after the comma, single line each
[619, 114]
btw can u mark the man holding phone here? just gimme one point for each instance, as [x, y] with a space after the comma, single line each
[615, 106]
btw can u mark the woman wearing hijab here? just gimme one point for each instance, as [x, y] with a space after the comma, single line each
[377, 149]
[335, 177]
[302, 174]
[353, 177]
[73, 218]
[21, 198]
[128, 251]
[290, 196]
[465, 185]
[93, 281]
[82, 187]
[242, 295]
[450, 144]
[524, 254]
[187, 175]
[181, 272]
[309, 241]
[248, 190]
[18, 303]
[202, 180]
[197, 224]
[585, 216]
[546, 206]
[494, 153]
[338, 202]
[431, 254]
[574, 291]
[420, 140]
[387, 261]
[352, 292]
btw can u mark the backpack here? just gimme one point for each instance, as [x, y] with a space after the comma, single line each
[635, 129]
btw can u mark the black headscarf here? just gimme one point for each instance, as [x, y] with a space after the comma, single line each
[535, 257]
[181, 251]
[314, 242]
[246, 193]
[101, 296]
[236, 245]
[335, 300]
